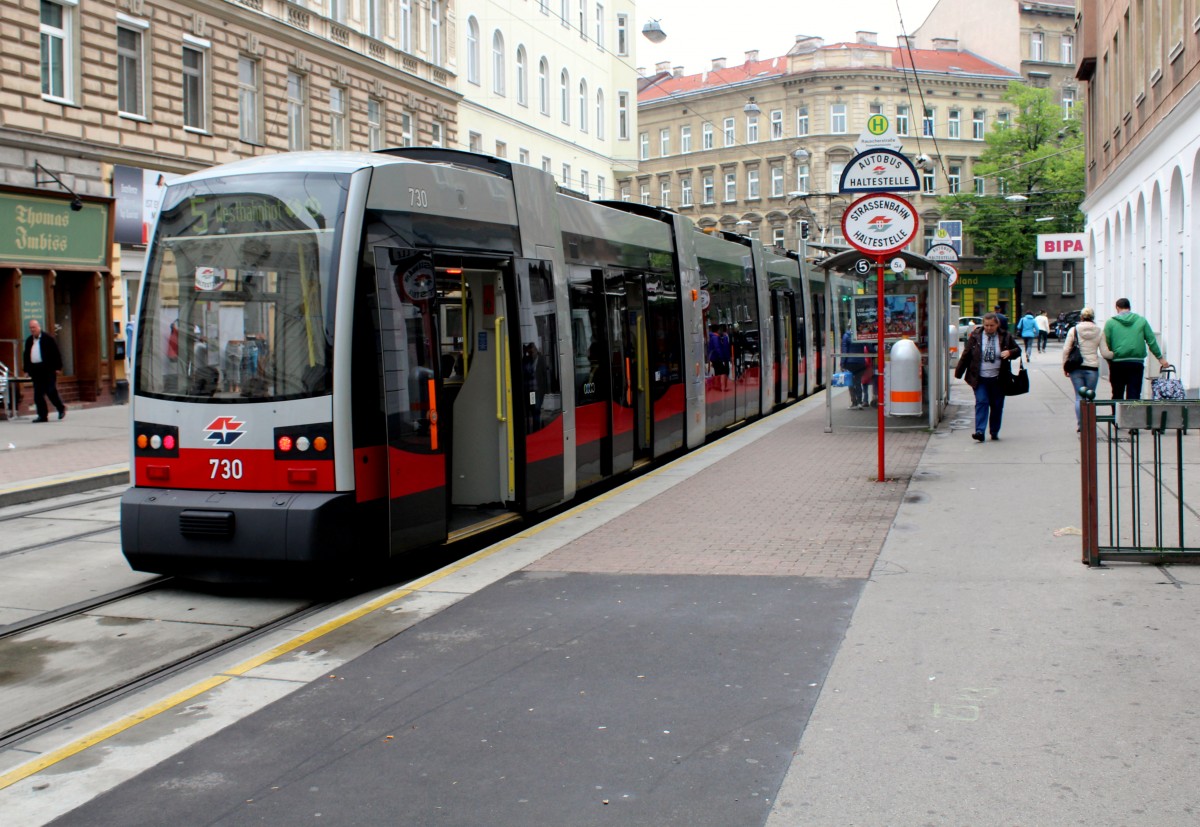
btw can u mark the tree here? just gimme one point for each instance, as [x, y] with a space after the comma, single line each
[1033, 168]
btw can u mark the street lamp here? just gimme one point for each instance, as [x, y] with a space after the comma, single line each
[653, 32]
[751, 108]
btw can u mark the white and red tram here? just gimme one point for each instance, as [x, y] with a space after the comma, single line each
[342, 357]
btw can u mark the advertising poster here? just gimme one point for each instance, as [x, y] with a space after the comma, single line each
[900, 317]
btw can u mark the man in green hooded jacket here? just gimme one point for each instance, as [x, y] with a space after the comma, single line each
[1128, 335]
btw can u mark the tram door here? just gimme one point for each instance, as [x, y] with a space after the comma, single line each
[625, 313]
[783, 310]
[538, 390]
[483, 452]
[405, 287]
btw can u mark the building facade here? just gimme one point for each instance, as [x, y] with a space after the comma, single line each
[551, 84]
[759, 147]
[108, 99]
[1039, 38]
[1141, 61]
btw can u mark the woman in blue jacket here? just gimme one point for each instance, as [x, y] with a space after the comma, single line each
[1027, 329]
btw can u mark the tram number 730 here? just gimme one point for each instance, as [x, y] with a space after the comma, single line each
[225, 469]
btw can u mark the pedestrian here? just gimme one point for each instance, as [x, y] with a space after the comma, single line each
[1001, 318]
[42, 362]
[1027, 329]
[1043, 323]
[857, 366]
[1127, 335]
[1090, 338]
[988, 352]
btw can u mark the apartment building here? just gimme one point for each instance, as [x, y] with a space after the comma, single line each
[759, 147]
[106, 100]
[1141, 61]
[551, 84]
[1040, 39]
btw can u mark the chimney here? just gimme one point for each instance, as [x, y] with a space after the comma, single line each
[866, 38]
[945, 44]
[751, 55]
[677, 71]
[806, 43]
[906, 41]
[718, 63]
[662, 66]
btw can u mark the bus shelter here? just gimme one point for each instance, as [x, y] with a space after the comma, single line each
[915, 386]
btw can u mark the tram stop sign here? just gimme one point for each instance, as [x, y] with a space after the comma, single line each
[879, 224]
[862, 267]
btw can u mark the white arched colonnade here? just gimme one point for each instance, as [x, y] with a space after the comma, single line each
[1143, 239]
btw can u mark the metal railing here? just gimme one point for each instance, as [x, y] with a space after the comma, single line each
[7, 402]
[1135, 492]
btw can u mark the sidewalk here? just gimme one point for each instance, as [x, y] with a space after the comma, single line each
[988, 677]
[87, 449]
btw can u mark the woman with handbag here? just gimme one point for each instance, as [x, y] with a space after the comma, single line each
[985, 357]
[1082, 350]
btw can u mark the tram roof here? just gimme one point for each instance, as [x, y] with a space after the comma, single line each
[317, 161]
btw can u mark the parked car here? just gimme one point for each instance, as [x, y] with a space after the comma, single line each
[966, 324]
[1064, 323]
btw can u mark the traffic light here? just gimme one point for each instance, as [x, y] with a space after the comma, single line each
[804, 229]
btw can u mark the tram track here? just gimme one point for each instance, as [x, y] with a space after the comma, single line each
[57, 541]
[33, 512]
[64, 713]
[81, 607]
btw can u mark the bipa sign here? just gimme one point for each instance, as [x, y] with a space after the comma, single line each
[1061, 245]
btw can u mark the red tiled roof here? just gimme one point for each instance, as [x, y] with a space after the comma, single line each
[716, 78]
[925, 60]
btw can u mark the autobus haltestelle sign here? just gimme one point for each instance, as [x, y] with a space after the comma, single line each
[879, 224]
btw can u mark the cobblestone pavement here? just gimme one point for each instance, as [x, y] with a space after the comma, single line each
[836, 515]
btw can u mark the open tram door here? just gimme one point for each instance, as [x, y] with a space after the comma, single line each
[406, 298]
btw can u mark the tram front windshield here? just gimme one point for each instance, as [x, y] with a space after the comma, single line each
[238, 296]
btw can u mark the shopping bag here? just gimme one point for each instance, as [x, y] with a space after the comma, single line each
[1166, 386]
[842, 379]
[1015, 384]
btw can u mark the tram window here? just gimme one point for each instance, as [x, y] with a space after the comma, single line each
[539, 346]
[587, 324]
[238, 286]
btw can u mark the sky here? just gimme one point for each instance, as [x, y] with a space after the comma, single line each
[699, 30]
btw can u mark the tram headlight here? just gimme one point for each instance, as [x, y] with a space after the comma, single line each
[302, 444]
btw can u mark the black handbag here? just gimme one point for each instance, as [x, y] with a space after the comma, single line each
[1074, 357]
[1015, 384]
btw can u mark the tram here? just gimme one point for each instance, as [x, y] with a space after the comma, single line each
[344, 357]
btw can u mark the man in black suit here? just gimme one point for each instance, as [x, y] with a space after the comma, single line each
[42, 362]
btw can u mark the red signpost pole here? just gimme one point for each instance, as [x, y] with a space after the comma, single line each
[877, 225]
[880, 387]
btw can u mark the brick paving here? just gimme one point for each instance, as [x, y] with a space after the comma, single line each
[797, 502]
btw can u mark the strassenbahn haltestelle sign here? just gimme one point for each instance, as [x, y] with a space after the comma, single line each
[879, 224]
